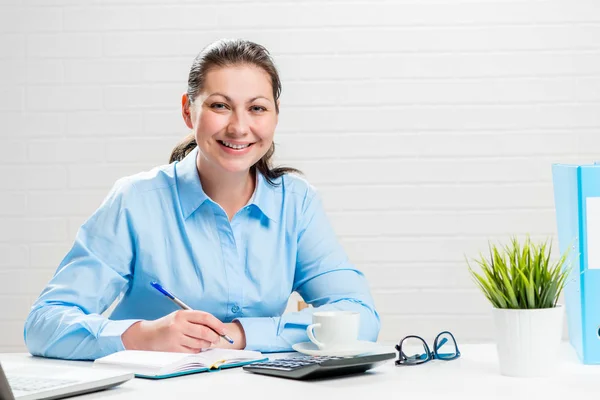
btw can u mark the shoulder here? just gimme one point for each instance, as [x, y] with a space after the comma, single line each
[296, 185]
[299, 190]
[131, 188]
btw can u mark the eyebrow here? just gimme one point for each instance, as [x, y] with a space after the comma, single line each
[229, 98]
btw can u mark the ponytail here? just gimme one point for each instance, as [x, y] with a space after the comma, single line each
[183, 148]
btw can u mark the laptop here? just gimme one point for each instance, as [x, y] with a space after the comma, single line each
[34, 382]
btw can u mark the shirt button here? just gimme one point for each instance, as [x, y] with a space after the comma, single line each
[235, 309]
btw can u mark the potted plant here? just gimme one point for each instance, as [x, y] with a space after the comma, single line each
[523, 285]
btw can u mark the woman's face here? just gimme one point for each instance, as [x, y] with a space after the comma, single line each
[233, 118]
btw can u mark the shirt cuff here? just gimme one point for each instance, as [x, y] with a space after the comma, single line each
[109, 338]
[261, 333]
[273, 334]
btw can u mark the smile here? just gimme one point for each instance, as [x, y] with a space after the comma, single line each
[235, 146]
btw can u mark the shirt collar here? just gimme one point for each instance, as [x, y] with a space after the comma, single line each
[265, 197]
[192, 196]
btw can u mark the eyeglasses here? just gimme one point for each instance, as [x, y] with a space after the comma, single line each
[444, 348]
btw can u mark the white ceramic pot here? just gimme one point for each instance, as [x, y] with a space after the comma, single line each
[528, 341]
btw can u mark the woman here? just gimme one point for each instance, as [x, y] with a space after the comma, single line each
[220, 228]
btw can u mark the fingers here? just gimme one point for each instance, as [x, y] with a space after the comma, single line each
[201, 332]
[193, 343]
[204, 318]
[185, 349]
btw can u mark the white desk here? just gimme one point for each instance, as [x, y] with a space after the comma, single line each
[473, 376]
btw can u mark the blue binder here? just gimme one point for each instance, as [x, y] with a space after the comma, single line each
[577, 205]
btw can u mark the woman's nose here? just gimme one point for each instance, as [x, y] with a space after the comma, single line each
[238, 124]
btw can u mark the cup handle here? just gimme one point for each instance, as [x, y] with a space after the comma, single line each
[311, 335]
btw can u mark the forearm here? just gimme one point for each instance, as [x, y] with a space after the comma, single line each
[278, 334]
[63, 331]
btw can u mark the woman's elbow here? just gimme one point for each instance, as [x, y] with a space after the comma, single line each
[40, 335]
[35, 347]
[32, 336]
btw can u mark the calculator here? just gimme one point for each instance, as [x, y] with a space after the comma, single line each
[311, 367]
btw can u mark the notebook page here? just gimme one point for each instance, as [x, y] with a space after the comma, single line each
[155, 360]
[210, 357]
[160, 363]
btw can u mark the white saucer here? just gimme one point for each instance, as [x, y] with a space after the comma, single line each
[311, 349]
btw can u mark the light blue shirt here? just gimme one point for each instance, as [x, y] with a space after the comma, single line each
[161, 226]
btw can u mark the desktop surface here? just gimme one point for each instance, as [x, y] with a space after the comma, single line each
[474, 375]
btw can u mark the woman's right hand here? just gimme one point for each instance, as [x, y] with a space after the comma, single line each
[184, 331]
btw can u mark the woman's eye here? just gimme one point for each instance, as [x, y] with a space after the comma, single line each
[218, 106]
[258, 108]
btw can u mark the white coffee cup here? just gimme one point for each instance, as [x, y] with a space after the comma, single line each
[334, 329]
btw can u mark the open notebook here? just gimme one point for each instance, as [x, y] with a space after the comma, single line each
[159, 365]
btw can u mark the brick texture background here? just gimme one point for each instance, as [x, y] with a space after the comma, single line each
[428, 126]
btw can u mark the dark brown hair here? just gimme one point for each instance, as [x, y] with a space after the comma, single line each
[225, 53]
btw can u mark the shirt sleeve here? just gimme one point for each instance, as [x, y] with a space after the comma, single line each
[65, 321]
[324, 278]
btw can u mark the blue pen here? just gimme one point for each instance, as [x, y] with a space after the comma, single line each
[180, 303]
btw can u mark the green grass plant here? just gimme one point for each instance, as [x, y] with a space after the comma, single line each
[521, 275]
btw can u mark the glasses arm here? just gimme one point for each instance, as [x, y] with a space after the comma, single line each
[441, 343]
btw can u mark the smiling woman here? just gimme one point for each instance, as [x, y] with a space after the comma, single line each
[258, 64]
[227, 234]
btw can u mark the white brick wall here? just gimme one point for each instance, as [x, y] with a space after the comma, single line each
[428, 126]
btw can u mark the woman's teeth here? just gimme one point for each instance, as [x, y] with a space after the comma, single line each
[234, 146]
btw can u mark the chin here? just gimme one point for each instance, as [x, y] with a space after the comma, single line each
[235, 167]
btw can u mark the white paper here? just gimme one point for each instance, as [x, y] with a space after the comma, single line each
[166, 362]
